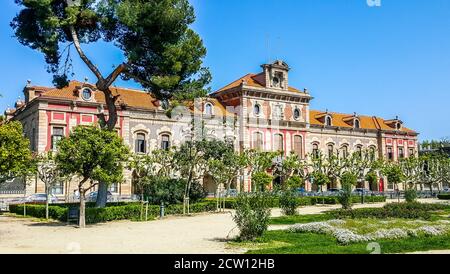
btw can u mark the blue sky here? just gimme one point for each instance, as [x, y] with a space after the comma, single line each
[386, 61]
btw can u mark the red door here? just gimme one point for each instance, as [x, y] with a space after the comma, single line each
[381, 185]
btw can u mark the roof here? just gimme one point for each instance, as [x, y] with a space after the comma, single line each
[133, 98]
[343, 120]
[130, 97]
[253, 80]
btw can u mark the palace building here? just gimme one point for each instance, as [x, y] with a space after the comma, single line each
[259, 111]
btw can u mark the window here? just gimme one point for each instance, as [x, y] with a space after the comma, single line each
[141, 143]
[330, 150]
[398, 126]
[357, 124]
[114, 188]
[258, 141]
[33, 139]
[411, 152]
[57, 188]
[401, 153]
[208, 109]
[315, 151]
[276, 82]
[298, 145]
[278, 142]
[372, 152]
[86, 94]
[58, 134]
[257, 110]
[390, 155]
[165, 142]
[328, 121]
[297, 114]
[344, 150]
[359, 151]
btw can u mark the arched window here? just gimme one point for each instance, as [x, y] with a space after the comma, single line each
[208, 109]
[390, 155]
[298, 145]
[328, 121]
[330, 150]
[165, 141]
[344, 150]
[372, 153]
[258, 142]
[401, 153]
[257, 110]
[359, 151]
[278, 142]
[357, 124]
[297, 114]
[315, 151]
[141, 143]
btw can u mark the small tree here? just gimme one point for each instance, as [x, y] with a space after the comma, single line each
[319, 178]
[15, 155]
[49, 174]
[348, 181]
[394, 174]
[93, 155]
[259, 162]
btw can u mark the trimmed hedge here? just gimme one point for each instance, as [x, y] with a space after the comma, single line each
[230, 203]
[411, 210]
[445, 196]
[120, 211]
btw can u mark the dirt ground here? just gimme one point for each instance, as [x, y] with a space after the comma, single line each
[200, 234]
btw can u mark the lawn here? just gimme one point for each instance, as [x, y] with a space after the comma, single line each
[305, 242]
[283, 242]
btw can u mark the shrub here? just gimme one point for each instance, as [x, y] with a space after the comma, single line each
[410, 195]
[345, 195]
[171, 191]
[289, 203]
[252, 214]
[121, 211]
[412, 210]
[445, 196]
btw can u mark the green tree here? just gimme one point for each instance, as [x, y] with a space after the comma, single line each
[348, 181]
[259, 162]
[225, 169]
[394, 174]
[49, 174]
[319, 178]
[159, 50]
[93, 155]
[15, 155]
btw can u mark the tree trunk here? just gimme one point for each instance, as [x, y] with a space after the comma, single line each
[82, 217]
[102, 195]
[46, 207]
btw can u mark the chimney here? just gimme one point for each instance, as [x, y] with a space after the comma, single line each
[29, 92]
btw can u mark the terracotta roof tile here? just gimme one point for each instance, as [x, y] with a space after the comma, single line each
[343, 120]
[253, 80]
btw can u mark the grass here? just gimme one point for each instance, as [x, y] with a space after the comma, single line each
[282, 242]
[299, 219]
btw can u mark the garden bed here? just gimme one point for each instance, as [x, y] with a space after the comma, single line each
[113, 212]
